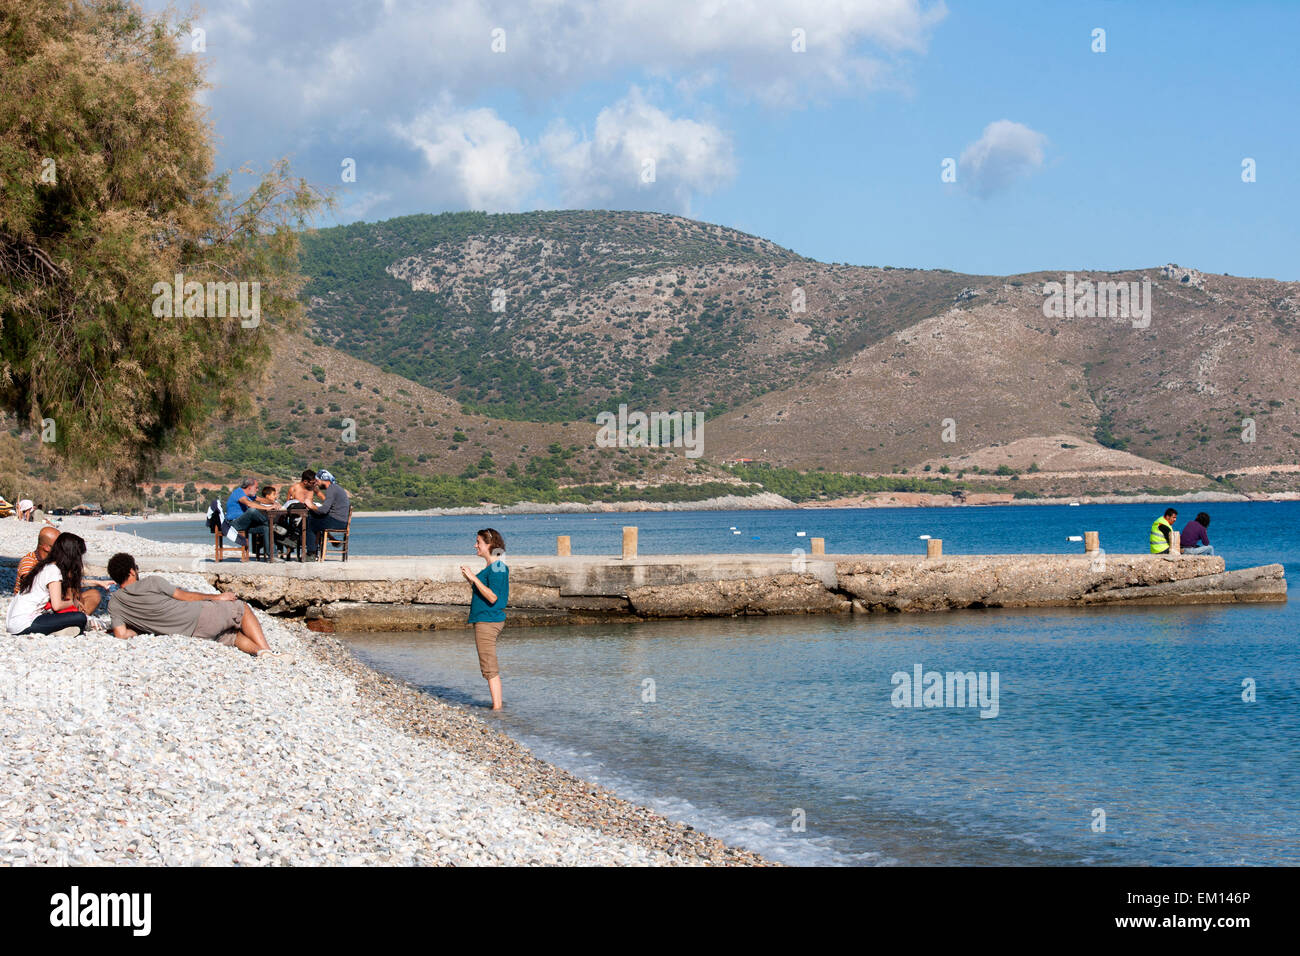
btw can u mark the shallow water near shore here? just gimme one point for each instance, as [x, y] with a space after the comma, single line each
[1134, 712]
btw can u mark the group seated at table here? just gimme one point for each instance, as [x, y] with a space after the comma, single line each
[295, 526]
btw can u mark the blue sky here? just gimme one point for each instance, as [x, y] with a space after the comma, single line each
[1065, 158]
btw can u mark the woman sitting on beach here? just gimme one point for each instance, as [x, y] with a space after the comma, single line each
[489, 592]
[48, 595]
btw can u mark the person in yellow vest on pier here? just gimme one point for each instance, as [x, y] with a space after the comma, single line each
[1161, 530]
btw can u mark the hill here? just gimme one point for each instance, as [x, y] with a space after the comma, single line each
[1179, 392]
[596, 308]
[807, 364]
[461, 358]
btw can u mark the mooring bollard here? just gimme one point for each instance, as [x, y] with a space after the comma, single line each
[562, 545]
[1175, 543]
[818, 545]
[629, 542]
[934, 548]
[1091, 541]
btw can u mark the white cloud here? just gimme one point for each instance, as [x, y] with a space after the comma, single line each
[361, 205]
[358, 51]
[1006, 151]
[480, 159]
[639, 157]
[321, 81]
[323, 59]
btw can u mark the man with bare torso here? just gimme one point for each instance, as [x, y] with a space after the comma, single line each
[304, 488]
[301, 493]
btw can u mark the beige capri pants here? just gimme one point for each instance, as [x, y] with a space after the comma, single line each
[485, 640]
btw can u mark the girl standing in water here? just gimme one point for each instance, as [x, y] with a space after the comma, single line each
[489, 592]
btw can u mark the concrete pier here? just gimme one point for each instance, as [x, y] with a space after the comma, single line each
[418, 593]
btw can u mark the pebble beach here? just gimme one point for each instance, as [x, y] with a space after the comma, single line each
[175, 751]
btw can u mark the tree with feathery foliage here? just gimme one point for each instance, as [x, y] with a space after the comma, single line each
[106, 190]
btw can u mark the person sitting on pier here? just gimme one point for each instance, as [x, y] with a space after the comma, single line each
[301, 495]
[247, 514]
[1162, 530]
[330, 515]
[1195, 536]
[270, 496]
[304, 489]
[154, 605]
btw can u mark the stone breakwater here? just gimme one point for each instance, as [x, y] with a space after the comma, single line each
[169, 750]
[420, 593]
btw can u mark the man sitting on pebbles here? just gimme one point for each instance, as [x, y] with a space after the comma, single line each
[154, 605]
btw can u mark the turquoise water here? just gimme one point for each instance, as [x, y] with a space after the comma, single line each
[755, 722]
[1135, 712]
[1239, 529]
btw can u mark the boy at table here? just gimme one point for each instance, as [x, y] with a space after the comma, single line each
[285, 525]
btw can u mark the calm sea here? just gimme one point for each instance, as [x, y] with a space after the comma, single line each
[1121, 735]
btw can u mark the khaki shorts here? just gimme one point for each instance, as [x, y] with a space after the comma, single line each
[219, 621]
[485, 639]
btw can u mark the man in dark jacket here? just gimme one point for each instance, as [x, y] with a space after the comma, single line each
[328, 515]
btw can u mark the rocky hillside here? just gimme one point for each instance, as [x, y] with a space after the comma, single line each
[556, 315]
[465, 357]
[994, 369]
[320, 406]
[560, 315]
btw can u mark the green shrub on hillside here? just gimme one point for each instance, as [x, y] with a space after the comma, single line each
[808, 486]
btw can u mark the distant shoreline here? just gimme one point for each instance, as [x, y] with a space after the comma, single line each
[768, 501]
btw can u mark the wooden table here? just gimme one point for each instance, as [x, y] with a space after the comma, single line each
[272, 514]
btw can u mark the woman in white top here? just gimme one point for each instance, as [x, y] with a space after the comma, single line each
[50, 587]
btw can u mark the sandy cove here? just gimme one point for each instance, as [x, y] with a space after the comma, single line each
[169, 750]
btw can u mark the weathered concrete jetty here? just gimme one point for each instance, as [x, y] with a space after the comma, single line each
[428, 592]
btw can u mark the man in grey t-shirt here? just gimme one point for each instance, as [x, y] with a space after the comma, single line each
[154, 605]
[330, 515]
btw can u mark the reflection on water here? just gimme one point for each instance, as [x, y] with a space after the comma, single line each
[1133, 712]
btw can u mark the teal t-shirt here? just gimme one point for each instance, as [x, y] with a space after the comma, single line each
[497, 577]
